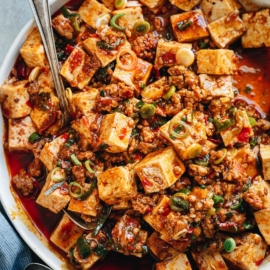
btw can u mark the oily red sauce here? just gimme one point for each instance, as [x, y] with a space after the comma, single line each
[254, 72]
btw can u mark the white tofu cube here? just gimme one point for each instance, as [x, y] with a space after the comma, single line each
[239, 132]
[84, 102]
[157, 170]
[265, 157]
[117, 184]
[184, 4]
[135, 78]
[43, 118]
[161, 249]
[50, 151]
[218, 86]
[109, 4]
[258, 29]
[91, 10]
[258, 195]
[82, 126]
[251, 250]
[166, 52]
[123, 205]
[205, 259]
[33, 52]
[226, 30]
[248, 5]
[214, 10]
[19, 131]
[179, 262]
[262, 218]
[132, 15]
[222, 62]
[55, 201]
[79, 68]
[45, 79]
[115, 132]
[196, 30]
[155, 90]
[196, 135]
[104, 56]
[66, 234]
[15, 99]
[153, 5]
[89, 206]
[156, 217]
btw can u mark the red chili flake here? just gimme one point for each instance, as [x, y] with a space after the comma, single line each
[166, 211]
[94, 35]
[137, 156]
[190, 230]
[64, 189]
[259, 262]
[69, 49]
[146, 182]
[75, 60]
[214, 140]
[157, 73]
[123, 133]
[169, 58]
[149, 209]
[65, 136]
[29, 104]
[22, 69]
[243, 136]
[85, 121]
[155, 129]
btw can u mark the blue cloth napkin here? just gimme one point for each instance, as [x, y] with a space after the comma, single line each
[14, 253]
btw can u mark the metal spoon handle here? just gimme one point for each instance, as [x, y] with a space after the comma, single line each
[41, 12]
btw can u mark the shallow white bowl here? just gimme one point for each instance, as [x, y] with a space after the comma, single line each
[19, 219]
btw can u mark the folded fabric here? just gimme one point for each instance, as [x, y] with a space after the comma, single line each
[14, 253]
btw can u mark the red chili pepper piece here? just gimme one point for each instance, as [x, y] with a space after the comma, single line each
[243, 136]
[146, 182]
[69, 49]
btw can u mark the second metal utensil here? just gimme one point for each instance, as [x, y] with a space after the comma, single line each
[41, 12]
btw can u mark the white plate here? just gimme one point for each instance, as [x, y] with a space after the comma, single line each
[13, 210]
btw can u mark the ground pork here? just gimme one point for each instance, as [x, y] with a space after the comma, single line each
[143, 203]
[23, 182]
[63, 26]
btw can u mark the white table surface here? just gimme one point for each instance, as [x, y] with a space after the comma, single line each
[13, 16]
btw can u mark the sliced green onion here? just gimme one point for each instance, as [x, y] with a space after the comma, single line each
[193, 150]
[34, 137]
[84, 248]
[104, 45]
[237, 205]
[178, 129]
[184, 190]
[141, 27]
[224, 154]
[183, 25]
[75, 23]
[247, 225]
[139, 104]
[252, 121]
[247, 185]
[229, 244]
[168, 95]
[65, 12]
[114, 24]
[103, 146]
[58, 174]
[103, 217]
[253, 142]
[101, 251]
[217, 199]
[87, 166]
[147, 111]
[53, 187]
[78, 190]
[222, 126]
[88, 192]
[145, 250]
[202, 161]
[178, 202]
[75, 160]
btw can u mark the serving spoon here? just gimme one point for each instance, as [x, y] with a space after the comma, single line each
[262, 3]
[41, 12]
